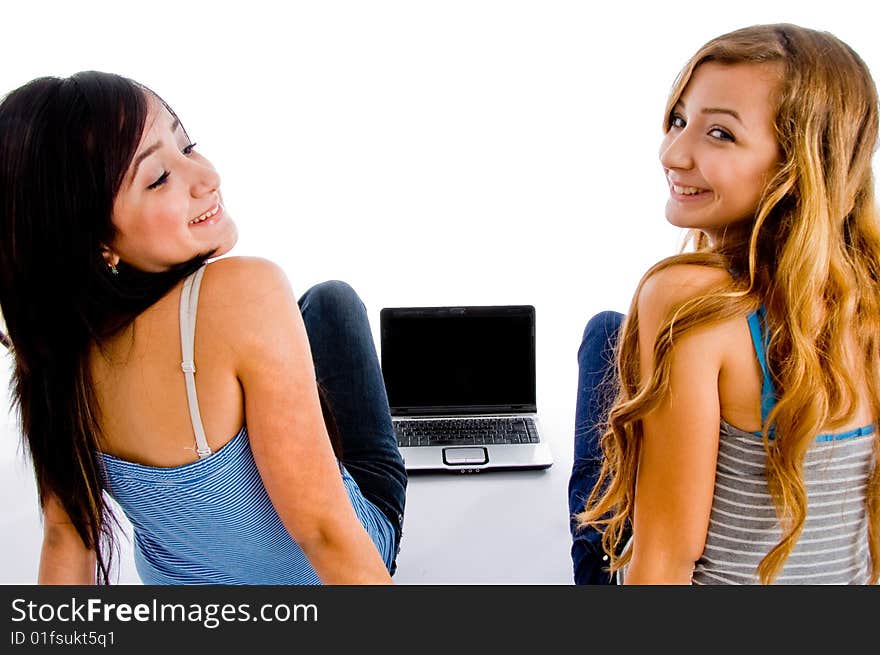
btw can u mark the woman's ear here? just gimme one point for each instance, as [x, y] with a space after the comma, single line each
[111, 259]
[109, 256]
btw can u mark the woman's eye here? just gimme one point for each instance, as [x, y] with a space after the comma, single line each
[676, 121]
[162, 179]
[720, 134]
[187, 150]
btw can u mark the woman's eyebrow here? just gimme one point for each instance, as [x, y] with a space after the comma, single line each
[146, 152]
[712, 110]
[722, 110]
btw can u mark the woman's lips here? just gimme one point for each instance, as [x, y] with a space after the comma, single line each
[685, 193]
[208, 218]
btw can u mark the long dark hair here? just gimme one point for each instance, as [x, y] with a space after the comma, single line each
[65, 146]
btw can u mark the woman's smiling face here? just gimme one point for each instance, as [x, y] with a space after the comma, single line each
[168, 208]
[720, 148]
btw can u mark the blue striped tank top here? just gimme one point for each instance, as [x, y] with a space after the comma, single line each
[743, 526]
[211, 521]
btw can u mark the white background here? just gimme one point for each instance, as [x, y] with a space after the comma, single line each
[428, 153]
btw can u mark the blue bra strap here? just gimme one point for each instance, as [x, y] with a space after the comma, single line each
[858, 432]
[757, 321]
[757, 328]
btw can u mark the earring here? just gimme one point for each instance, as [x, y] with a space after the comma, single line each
[114, 270]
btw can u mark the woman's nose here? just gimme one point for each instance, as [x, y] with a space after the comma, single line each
[676, 150]
[205, 179]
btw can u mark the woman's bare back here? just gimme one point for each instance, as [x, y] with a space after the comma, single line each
[140, 385]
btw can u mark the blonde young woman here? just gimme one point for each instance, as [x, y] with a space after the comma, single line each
[740, 445]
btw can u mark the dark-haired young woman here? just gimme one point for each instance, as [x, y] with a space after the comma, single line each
[201, 397]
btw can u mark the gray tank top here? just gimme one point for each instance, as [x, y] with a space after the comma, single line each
[743, 527]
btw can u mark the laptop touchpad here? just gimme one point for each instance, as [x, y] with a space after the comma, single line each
[459, 456]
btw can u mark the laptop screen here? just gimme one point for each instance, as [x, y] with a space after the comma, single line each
[445, 360]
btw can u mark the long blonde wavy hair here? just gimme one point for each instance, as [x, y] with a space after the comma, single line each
[811, 257]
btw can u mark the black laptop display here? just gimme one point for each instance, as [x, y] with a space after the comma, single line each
[468, 374]
[445, 361]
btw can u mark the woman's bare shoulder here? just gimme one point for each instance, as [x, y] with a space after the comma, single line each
[240, 278]
[244, 296]
[672, 286]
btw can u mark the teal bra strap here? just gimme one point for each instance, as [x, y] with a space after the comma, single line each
[757, 322]
[757, 328]
[858, 432]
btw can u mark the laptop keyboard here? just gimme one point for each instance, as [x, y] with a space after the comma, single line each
[467, 431]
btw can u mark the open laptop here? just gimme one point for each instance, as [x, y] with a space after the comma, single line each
[461, 386]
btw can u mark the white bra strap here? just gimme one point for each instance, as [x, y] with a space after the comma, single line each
[189, 301]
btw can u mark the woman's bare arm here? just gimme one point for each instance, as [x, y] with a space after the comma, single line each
[286, 427]
[64, 558]
[676, 472]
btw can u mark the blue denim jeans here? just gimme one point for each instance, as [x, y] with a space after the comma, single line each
[347, 369]
[595, 393]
